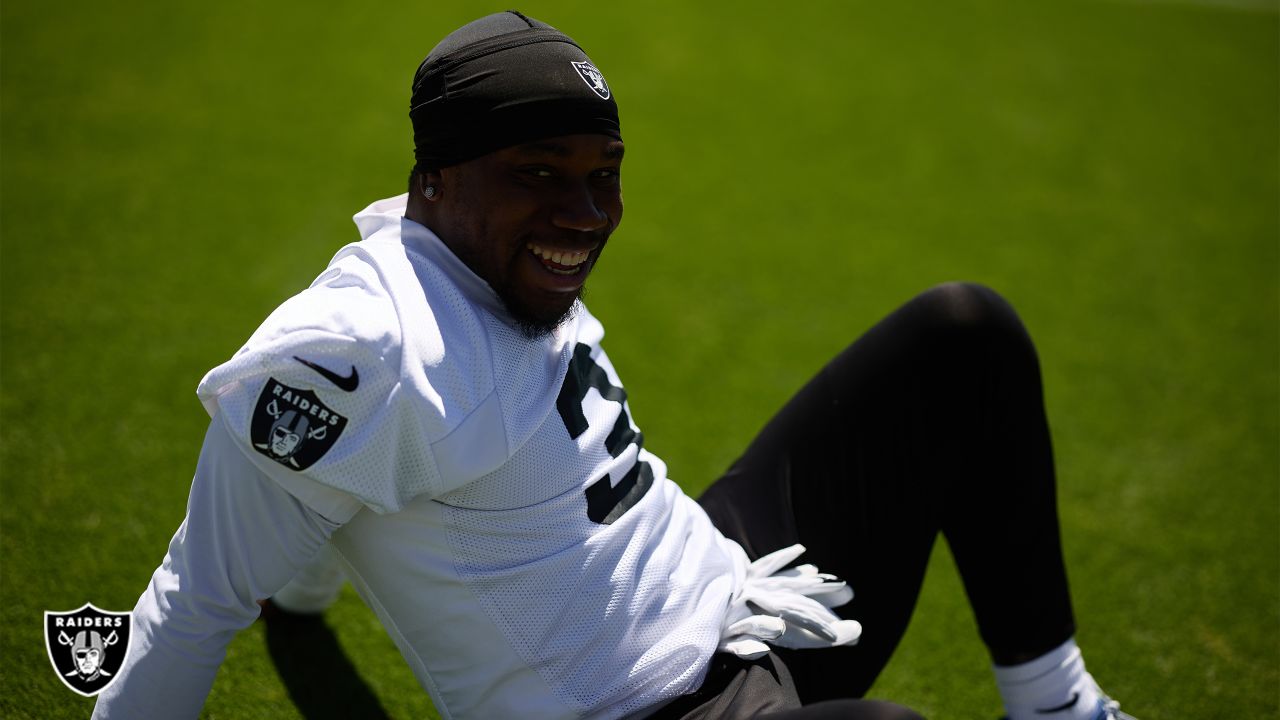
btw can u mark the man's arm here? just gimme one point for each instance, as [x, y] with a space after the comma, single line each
[243, 538]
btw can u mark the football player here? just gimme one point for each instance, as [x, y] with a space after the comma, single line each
[437, 413]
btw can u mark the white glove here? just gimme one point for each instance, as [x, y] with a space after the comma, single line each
[787, 608]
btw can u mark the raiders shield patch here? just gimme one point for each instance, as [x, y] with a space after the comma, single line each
[87, 646]
[593, 78]
[292, 426]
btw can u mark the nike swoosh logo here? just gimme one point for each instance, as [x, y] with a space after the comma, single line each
[348, 383]
[1075, 697]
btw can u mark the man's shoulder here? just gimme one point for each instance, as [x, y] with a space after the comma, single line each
[347, 303]
[382, 304]
[379, 292]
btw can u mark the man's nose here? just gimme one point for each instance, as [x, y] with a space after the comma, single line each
[579, 211]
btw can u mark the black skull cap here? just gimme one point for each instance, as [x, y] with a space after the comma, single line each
[503, 80]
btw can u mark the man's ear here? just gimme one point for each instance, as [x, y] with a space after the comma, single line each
[431, 185]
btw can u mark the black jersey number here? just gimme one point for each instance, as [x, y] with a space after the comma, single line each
[606, 502]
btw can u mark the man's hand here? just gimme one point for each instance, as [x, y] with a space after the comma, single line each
[788, 608]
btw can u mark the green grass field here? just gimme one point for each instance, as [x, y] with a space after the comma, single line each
[173, 171]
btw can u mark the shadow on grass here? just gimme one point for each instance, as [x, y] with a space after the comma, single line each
[321, 681]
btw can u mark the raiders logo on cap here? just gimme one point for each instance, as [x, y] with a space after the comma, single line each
[593, 78]
[292, 426]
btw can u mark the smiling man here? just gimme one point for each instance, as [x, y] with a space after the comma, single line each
[531, 220]
[436, 415]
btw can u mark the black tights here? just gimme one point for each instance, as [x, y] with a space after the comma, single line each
[932, 421]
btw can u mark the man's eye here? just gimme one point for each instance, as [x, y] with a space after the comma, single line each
[607, 174]
[539, 172]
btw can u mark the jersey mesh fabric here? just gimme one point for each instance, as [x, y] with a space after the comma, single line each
[456, 416]
[385, 310]
[526, 370]
[344, 321]
[614, 617]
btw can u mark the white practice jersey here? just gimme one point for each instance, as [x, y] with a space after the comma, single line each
[526, 553]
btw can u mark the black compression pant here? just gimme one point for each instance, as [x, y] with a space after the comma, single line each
[933, 421]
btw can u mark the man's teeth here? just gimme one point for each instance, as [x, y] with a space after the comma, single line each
[559, 257]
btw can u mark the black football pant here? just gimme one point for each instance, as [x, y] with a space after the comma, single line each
[933, 421]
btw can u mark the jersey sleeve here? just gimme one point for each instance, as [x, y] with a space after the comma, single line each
[316, 401]
[242, 539]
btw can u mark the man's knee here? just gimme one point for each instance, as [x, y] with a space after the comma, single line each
[969, 312]
[968, 305]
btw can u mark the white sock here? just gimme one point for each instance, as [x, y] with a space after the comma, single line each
[1056, 679]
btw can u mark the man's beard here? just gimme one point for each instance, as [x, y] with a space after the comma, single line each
[536, 328]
